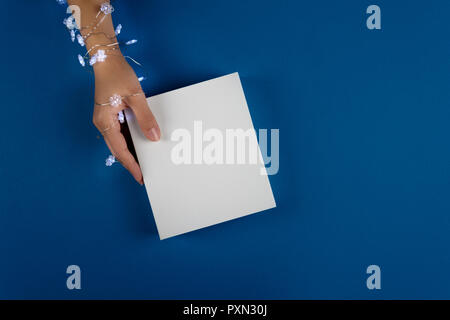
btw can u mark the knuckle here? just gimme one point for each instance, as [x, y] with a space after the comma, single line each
[102, 124]
[122, 154]
[95, 121]
[98, 121]
[119, 158]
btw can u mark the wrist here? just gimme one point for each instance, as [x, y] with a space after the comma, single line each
[113, 62]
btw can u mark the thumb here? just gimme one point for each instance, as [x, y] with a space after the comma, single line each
[145, 117]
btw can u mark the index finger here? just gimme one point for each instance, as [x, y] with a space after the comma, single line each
[118, 146]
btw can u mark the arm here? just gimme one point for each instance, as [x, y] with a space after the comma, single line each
[115, 76]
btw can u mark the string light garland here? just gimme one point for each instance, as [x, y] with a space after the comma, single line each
[99, 53]
[90, 30]
[105, 10]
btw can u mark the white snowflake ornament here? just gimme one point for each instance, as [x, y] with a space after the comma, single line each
[118, 29]
[131, 42]
[80, 40]
[81, 60]
[101, 56]
[106, 8]
[93, 60]
[70, 23]
[121, 117]
[110, 161]
[115, 100]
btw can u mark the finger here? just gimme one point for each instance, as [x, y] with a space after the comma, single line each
[145, 117]
[118, 146]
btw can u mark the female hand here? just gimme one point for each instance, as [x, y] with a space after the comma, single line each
[115, 76]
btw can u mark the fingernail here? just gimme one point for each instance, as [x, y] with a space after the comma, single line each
[153, 134]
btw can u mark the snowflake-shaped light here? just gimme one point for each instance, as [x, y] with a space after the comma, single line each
[118, 29]
[106, 8]
[72, 35]
[101, 56]
[93, 60]
[70, 23]
[121, 117]
[81, 60]
[80, 40]
[115, 100]
[133, 41]
[110, 161]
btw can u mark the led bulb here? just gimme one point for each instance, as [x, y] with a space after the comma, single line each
[81, 60]
[106, 8]
[130, 42]
[110, 161]
[118, 29]
[121, 117]
[115, 100]
[80, 40]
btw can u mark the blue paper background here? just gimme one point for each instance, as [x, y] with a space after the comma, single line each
[364, 161]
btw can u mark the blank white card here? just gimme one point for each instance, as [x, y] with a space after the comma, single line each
[187, 190]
